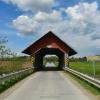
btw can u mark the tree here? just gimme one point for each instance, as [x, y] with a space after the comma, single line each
[4, 51]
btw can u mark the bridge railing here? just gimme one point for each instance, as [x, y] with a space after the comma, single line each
[15, 74]
[85, 77]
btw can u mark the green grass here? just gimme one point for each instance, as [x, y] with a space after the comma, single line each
[91, 88]
[86, 68]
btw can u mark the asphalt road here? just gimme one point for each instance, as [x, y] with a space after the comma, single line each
[47, 85]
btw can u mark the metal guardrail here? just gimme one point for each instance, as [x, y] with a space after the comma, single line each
[85, 77]
[15, 74]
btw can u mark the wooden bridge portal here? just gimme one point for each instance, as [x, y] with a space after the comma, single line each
[50, 44]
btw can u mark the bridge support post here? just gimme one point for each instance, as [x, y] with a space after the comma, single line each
[32, 59]
[66, 60]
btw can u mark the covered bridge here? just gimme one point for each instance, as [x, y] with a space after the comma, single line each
[50, 44]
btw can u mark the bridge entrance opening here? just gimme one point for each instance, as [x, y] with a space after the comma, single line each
[41, 57]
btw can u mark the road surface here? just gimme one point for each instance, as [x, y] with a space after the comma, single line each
[47, 85]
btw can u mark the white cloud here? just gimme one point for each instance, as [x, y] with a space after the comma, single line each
[33, 5]
[41, 21]
[87, 15]
[80, 27]
[82, 11]
[25, 25]
[55, 16]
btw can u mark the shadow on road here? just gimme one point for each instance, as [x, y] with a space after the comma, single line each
[50, 69]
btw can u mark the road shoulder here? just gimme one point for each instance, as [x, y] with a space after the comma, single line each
[9, 91]
[85, 91]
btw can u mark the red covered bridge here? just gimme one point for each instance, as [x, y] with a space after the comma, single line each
[52, 45]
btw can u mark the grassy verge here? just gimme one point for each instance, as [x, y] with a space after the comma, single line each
[91, 88]
[7, 84]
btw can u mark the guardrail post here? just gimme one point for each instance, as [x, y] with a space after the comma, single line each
[93, 69]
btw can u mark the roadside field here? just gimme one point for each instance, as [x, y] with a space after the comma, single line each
[8, 66]
[87, 68]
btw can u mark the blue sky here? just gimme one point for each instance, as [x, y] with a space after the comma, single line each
[77, 22]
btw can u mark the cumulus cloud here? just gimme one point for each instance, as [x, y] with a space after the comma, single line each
[40, 22]
[54, 16]
[87, 15]
[25, 25]
[79, 25]
[33, 5]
